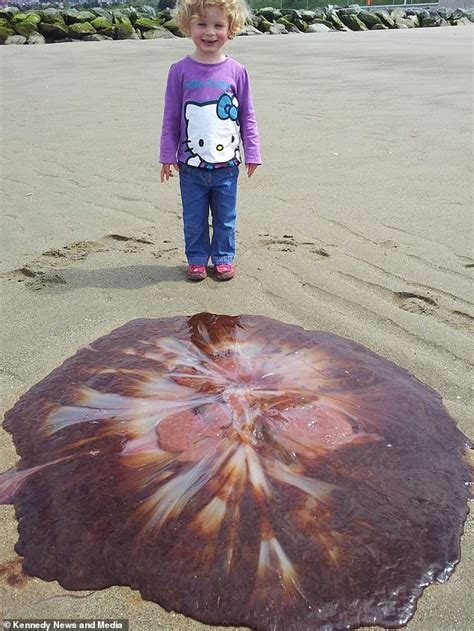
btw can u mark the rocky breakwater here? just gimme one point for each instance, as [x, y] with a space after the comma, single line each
[66, 25]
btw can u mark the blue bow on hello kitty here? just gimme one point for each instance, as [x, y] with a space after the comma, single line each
[226, 108]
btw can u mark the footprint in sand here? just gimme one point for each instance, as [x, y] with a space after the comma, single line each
[415, 303]
[287, 243]
[43, 270]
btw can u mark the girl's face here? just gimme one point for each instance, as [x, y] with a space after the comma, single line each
[209, 33]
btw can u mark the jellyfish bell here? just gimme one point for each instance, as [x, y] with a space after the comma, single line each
[241, 471]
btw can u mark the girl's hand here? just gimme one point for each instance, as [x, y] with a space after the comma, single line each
[251, 169]
[166, 171]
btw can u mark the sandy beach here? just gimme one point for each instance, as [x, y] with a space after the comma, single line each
[359, 223]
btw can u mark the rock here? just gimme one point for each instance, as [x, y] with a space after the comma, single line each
[414, 19]
[307, 16]
[352, 21]
[368, 18]
[423, 14]
[277, 29]
[291, 28]
[26, 23]
[173, 27]
[9, 12]
[147, 24]
[431, 20]
[36, 39]
[102, 13]
[70, 16]
[96, 37]
[461, 22]
[291, 13]
[15, 40]
[25, 28]
[333, 17]
[445, 13]
[324, 22]
[264, 25]
[80, 30]
[5, 33]
[166, 14]
[31, 16]
[249, 30]
[319, 14]
[269, 13]
[150, 11]
[352, 9]
[318, 28]
[385, 18]
[401, 22]
[300, 23]
[158, 33]
[51, 15]
[85, 16]
[54, 31]
[379, 27]
[123, 26]
[102, 24]
[458, 14]
[398, 11]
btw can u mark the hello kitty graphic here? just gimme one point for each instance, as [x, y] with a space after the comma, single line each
[213, 132]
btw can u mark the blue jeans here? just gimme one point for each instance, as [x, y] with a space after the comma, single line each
[203, 189]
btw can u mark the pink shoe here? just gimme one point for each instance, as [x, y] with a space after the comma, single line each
[226, 271]
[196, 272]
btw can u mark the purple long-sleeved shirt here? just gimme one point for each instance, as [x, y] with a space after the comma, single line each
[208, 111]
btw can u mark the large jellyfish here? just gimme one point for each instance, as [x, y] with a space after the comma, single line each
[241, 471]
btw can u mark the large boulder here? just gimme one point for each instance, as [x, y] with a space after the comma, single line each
[15, 40]
[123, 26]
[269, 13]
[148, 24]
[5, 33]
[307, 16]
[290, 27]
[461, 22]
[263, 24]
[150, 11]
[352, 21]
[386, 18]
[102, 13]
[158, 33]
[51, 15]
[9, 12]
[318, 28]
[249, 30]
[327, 23]
[103, 24]
[431, 20]
[97, 37]
[25, 24]
[35, 39]
[79, 30]
[333, 17]
[319, 14]
[174, 28]
[368, 18]
[277, 29]
[54, 30]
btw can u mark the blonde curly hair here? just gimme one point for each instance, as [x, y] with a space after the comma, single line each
[237, 11]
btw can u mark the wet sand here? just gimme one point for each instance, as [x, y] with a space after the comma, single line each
[359, 223]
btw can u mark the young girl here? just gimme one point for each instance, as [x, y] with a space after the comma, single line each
[208, 112]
